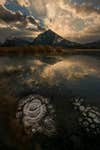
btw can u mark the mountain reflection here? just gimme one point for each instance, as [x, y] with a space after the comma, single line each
[68, 70]
[80, 74]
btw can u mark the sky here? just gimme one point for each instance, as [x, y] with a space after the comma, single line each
[77, 20]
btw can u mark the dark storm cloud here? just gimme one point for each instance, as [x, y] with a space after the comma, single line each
[10, 16]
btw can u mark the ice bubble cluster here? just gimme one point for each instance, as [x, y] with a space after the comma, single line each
[89, 116]
[36, 115]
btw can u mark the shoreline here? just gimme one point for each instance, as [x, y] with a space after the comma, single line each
[46, 50]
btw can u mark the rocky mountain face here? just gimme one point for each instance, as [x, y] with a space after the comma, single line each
[51, 38]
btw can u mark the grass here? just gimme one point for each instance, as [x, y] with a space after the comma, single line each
[45, 50]
[30, 49]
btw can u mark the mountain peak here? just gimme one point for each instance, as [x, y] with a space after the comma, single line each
[51, 33]
[49, 37]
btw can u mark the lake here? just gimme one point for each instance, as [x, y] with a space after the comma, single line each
[78, 74]
[58, 78]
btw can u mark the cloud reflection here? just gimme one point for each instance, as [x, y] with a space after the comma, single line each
[68, 70]
[37, 71]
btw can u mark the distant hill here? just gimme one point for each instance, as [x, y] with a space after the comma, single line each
[18, 41]
[95, 44]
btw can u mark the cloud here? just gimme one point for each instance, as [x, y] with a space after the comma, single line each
[2, 2]
[9, 32]
[73, 19]
[76, 21]
[9, 16]
[17, 24]
[24, 2]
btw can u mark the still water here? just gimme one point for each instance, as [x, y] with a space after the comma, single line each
[70, 75]
[58, 78]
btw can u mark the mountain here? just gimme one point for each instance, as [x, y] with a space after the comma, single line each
[51, 38]
[18, 41]
[95, 44]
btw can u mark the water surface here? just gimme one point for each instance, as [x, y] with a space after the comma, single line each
[77, 75]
